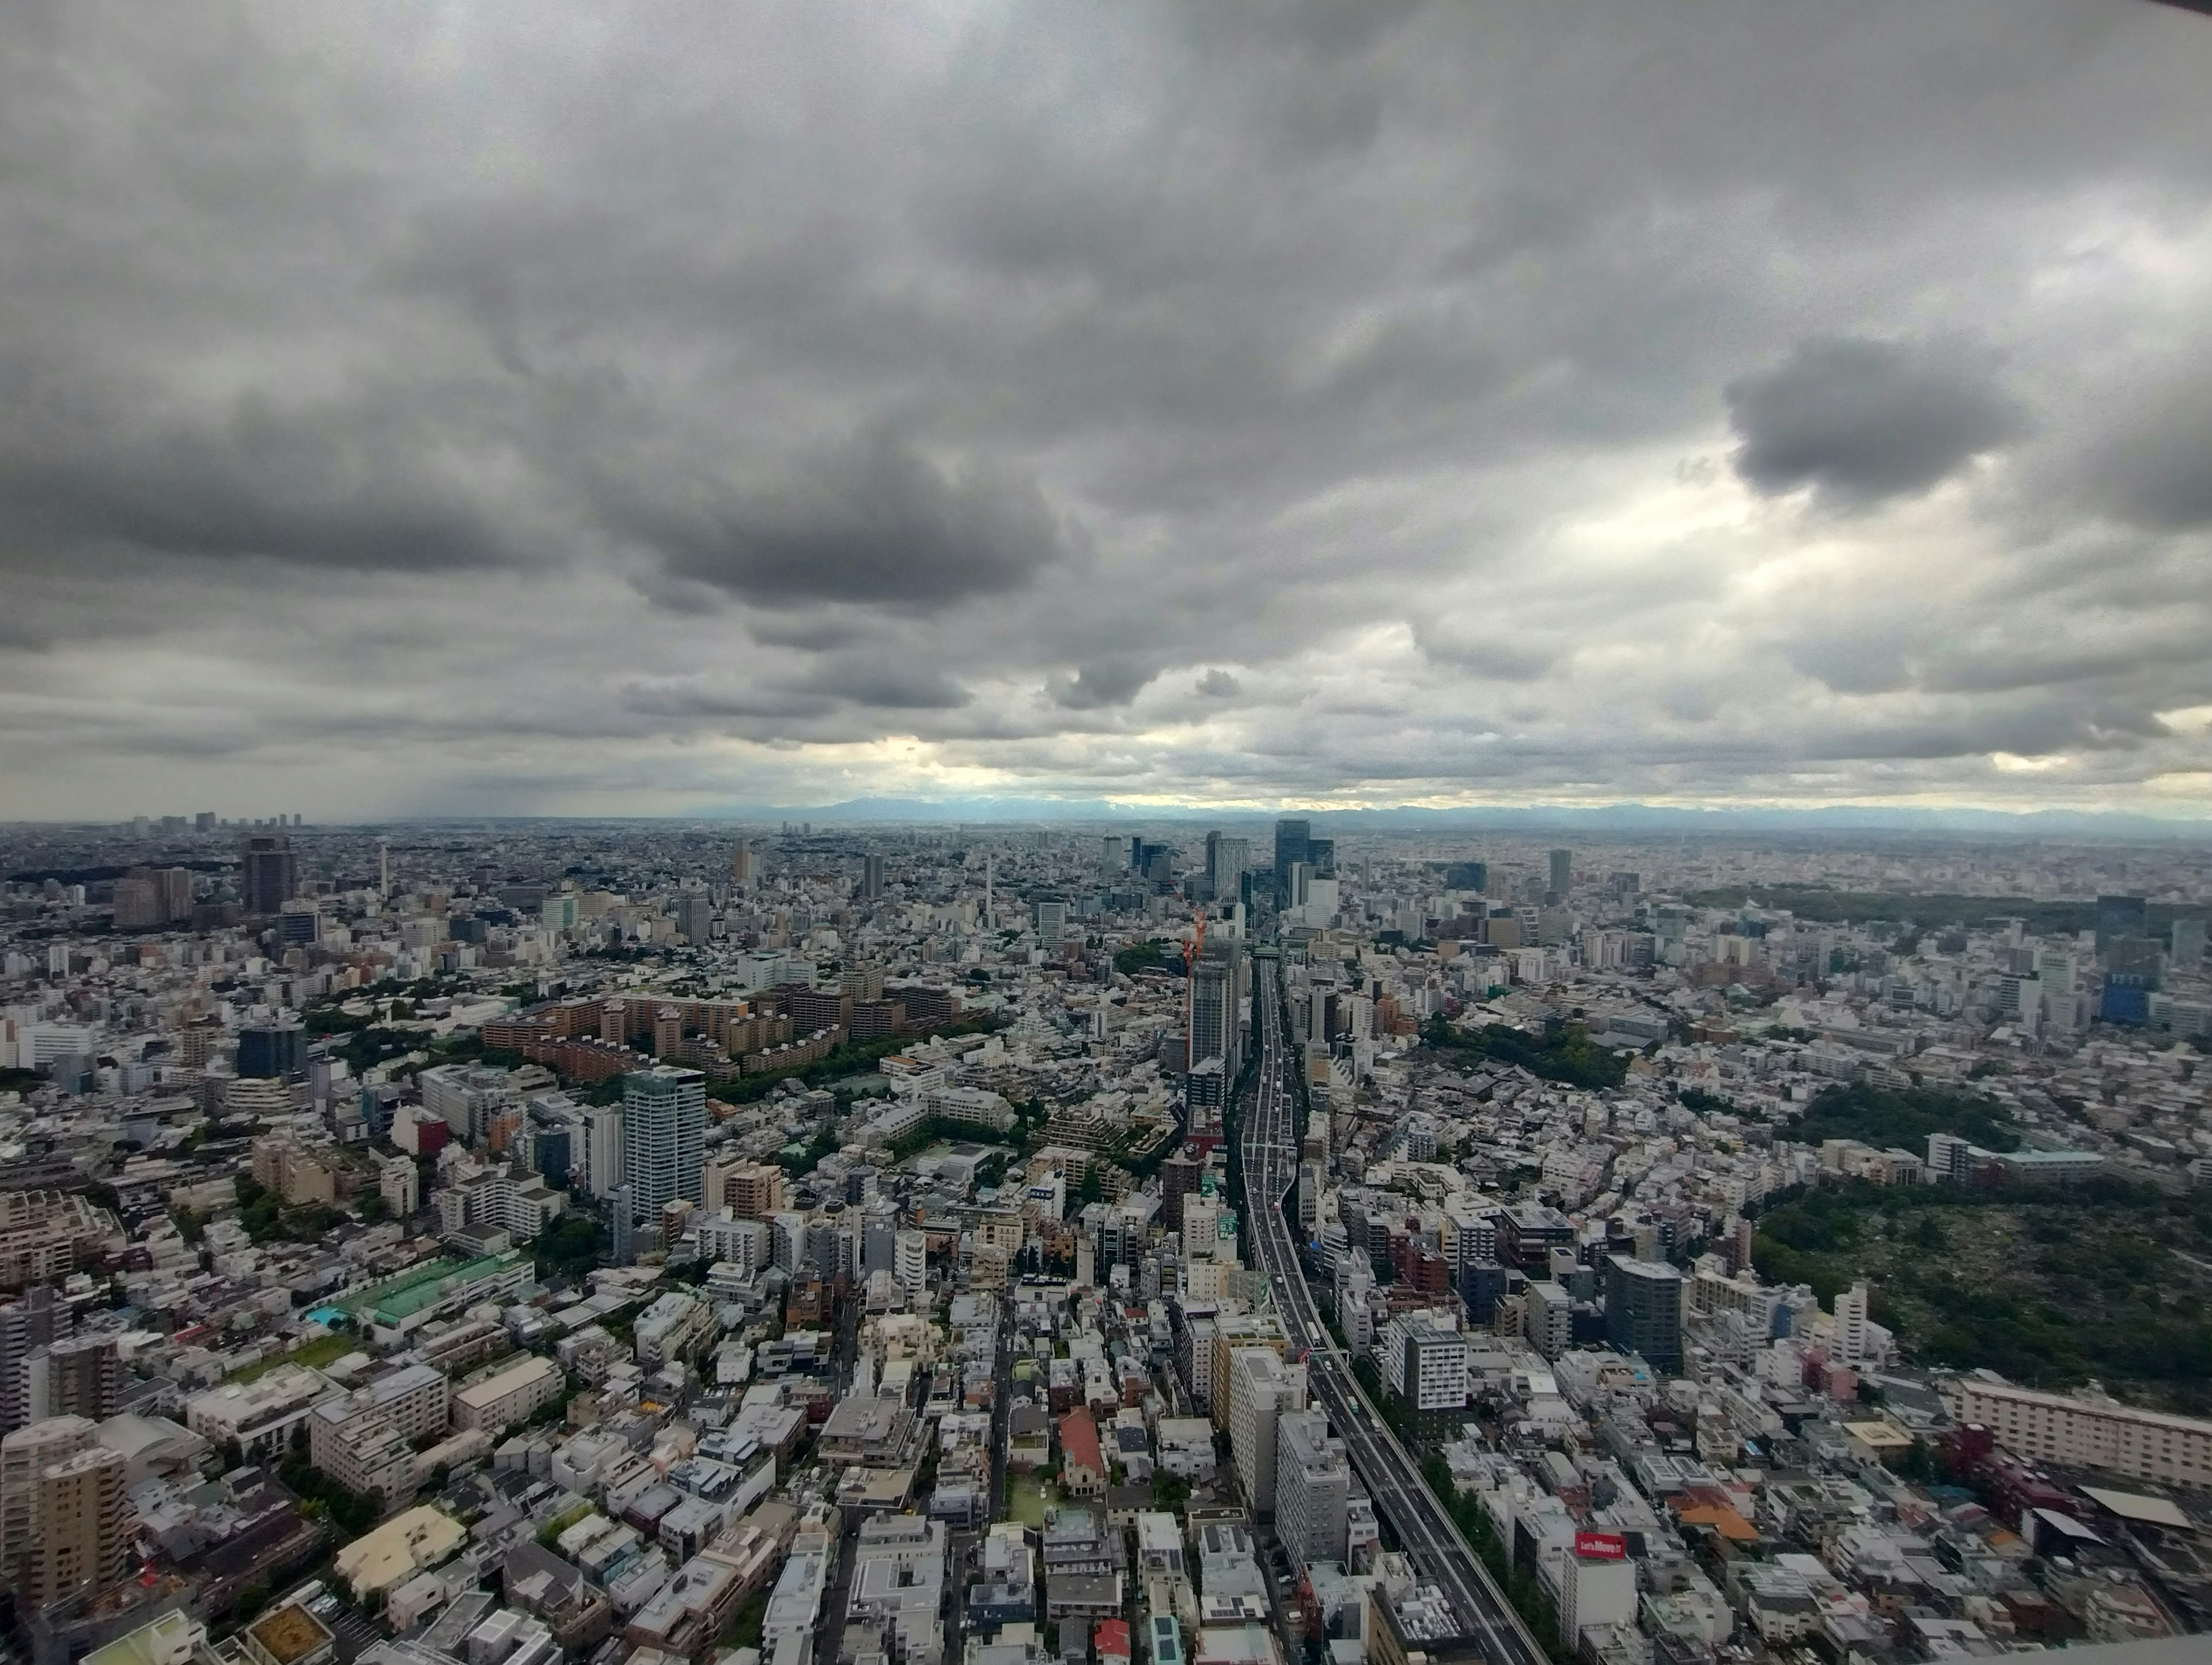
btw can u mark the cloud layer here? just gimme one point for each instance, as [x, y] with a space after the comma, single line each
[559, 408]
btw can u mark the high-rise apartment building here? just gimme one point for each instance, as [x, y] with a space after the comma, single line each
[1313, 1488]
[871, 878]
[1562, 873]
[664, 1137]
[268, 874]
[75, 1376]
[601, 1161]
[1848, 1344]
[27, 1325]
[741, 865]
[1644, 1309]
[25, 1456]
[77, 1539]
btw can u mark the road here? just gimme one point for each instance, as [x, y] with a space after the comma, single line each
[1268, 1147]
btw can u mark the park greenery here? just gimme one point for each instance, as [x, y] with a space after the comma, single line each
[1563, 1052]
[2052, 1286]
[1150, 956]
[1818, 904]
[1903, 1118]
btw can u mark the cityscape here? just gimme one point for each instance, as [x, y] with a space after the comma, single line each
[631, 1242]
[1129, 832]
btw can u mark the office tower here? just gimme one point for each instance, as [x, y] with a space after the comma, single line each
[2185, 944]
[694, 917]
[272, 1052]
[1644, 1309]
[1178, 1180]
[1291, 838]
[2119, 916]
[1051, 925]
[27, 1325]
[1321, 857]
[1313, 1489]
[268, 874]
[664, 1137]
[871, 878]
[741, 865]
[1214, 1030]
[1113, 854]
[1226, 858]
[1466, 876]
[622, 1228]
[1482, 1285]
[77, 1376]
[1849, 1344]
[878, 1239]
[1950, 1158]
[1562, 873]
[25, 1454]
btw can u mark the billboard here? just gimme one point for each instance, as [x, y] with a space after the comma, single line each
[1600, 1546]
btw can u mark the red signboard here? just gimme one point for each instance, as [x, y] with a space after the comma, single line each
[1600, 1546]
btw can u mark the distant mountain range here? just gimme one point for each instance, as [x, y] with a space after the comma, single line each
[1623, 818]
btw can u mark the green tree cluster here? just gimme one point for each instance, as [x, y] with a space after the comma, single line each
[1563, 1052]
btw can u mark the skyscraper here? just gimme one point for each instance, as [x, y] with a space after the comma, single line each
[1562, 873]
[1291, 839]
[871, 878]
[1644, 1309]
[1226, 858]
[77, 1541]
[268, 874]
[664, 1137]
[741, 865]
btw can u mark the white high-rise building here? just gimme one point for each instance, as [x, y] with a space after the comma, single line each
[1850, 1345]
[911, 1262]
[1262, 1387]
[1313, 1488]
[601, 1159]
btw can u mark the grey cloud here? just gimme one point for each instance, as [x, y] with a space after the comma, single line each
[1218, 684]
[1495, 654]
[877, 524]
[345, 485]
[1106, 683]
[2153, 468]
[1862, 421]
[886, 685]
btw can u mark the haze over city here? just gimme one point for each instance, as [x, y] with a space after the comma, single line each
[582, 409]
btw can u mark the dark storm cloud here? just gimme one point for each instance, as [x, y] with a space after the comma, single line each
[473, 377]
[354, 487]
[877, 524]
[1862, 421]
[1108, 682]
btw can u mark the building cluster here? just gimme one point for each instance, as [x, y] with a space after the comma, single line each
[635, 1243]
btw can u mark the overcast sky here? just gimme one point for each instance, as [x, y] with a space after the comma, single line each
[547, 409]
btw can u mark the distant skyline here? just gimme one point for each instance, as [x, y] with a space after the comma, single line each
[604, 410]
